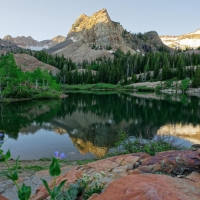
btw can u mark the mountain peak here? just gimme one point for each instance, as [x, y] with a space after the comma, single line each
[197, 31]
[88, 28]
[7, 37]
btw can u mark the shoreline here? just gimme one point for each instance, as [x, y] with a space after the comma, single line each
[12, 100]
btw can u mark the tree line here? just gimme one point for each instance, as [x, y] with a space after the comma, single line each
[126, 68]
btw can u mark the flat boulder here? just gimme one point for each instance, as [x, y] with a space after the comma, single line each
[151, 187]
[172, 162]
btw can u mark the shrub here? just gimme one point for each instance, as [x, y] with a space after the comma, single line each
[85, 187]
[128, 144]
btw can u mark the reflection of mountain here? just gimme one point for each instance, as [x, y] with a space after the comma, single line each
[185, 131]
[89, 132]
[87, 146]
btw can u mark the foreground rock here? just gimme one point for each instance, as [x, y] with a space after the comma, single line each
[135, 176]
[152, 187]
[131, 167]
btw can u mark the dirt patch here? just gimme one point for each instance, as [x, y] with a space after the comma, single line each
[29, 63]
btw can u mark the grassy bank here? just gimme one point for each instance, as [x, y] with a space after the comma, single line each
[171, 86]
[98, 86]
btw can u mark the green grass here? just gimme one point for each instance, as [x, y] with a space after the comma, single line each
[98, 86]
[35, 167]
[47, 95]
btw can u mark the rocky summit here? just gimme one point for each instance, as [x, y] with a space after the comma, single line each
[98, 29]
[96, 36]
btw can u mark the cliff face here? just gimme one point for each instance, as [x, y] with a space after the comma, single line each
[97, 29]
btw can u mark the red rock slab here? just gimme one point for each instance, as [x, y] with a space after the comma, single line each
[105, 165]
[108, 164]
[169, 160]
[3, 198]
[150, 187]
[71, 177]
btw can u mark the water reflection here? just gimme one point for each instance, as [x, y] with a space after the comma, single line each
[91, 121]
[185, 131]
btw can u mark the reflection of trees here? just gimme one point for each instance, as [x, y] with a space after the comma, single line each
[22, 114]
[125, 107]
[138, 112]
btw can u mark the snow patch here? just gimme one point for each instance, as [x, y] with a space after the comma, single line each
[74, 40]
[190, 42]
[37, 48]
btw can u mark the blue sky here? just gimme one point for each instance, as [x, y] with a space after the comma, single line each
[45, 19]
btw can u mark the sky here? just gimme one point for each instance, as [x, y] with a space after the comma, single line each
[45, 19]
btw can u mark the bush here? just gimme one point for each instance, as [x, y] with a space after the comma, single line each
[185, 84]
[85, 187]
[128, 144]
[47, 95]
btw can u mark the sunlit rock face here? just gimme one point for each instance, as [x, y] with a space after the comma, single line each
[88, 147]
[184, 131]
[98, 28]
[60, 130]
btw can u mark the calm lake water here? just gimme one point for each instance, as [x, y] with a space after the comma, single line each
[85, 125]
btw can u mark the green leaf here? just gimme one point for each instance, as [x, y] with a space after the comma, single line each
[15, 174]
[8, 155]
[54, 168]
[25, 192]
[60, 187]
[47, 187]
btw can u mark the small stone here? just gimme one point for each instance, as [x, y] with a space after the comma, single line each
[119, 169]
[135, 171]
[181, 176]
[106, 180]
[130, 160]
[129, 167]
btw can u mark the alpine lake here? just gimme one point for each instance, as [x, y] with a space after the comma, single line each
[85, 124]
